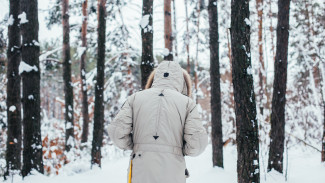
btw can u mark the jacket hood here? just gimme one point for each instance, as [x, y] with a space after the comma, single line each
[169, 74]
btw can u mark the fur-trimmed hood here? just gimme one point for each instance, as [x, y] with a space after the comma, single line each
[169, 74]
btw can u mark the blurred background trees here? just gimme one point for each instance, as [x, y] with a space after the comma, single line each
[127, 63]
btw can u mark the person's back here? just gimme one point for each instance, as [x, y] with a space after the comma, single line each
[160, 125]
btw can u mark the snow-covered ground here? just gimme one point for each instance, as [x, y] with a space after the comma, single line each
[303, 167]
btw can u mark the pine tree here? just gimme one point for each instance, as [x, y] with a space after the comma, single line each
[279, 89]
[68, 89]
[13, 159]
[85, 114]
[147, 43]
[168, 34]
[99, 88]
[245, 106]
[216, 133]
[32, 153]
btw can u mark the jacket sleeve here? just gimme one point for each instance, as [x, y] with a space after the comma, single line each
[119, 130]
[195, 135]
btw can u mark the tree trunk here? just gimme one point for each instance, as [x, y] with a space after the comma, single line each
[68, 90]
[279, 89]
[32, 153]
[271, 28]
[168, 34]
[216, 133]
[196, 65]
[261, 74]
[99, 88]
[147, 43]
[321, 82]
[187, 41]
[13, 152]
[175, 29]
[85, 114]
[245, 106]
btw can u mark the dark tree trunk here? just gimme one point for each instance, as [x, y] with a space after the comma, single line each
[85, 114]
[147, 43]
[32, 153]
[99, 88]
[216, 133]
[279, 89]
[68, 89]
[13, 152]
[245, 106]
[168, 34]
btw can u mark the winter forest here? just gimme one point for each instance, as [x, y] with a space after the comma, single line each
[257, 67]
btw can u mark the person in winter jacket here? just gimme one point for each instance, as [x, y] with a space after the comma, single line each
[161, 125]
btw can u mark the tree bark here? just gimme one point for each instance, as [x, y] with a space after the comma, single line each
[187, 41]
[216, 133]
[85, 114]
[271, 28]
[261, 74]
[147, 62]
[68, 89]
[245, 106]
[168, 34]
[323, 101]
[13, 153]
[175, 29]
[196, 65]
[32, 153]
[279, 89]
[99, 88]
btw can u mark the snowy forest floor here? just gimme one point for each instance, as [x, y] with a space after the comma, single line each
[303, 166]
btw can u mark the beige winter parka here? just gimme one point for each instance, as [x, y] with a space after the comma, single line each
[161, 125]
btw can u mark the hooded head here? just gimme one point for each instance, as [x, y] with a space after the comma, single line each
[169, 74]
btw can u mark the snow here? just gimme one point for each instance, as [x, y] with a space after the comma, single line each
[250, 70]
[12, 108]
[36, 43]
[69, 124]
[22, 18]
[165, 52]
[24, 67]
[303, 166]
[81, 50]
[144, 21]
[11, 20]
[247, 21]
